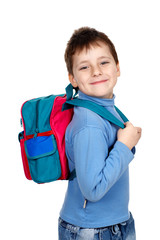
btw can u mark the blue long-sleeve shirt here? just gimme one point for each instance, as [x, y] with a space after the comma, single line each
[101, 164]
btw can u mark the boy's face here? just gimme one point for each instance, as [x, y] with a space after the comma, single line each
[95, 71]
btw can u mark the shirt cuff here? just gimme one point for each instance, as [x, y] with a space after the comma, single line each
[125, 149]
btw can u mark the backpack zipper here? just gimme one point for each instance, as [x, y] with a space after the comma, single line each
[36, 130]
[21, 123]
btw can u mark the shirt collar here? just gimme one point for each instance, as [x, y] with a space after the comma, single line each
[105, 102]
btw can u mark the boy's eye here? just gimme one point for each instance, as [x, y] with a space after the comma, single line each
[103, 63]
[83, 68]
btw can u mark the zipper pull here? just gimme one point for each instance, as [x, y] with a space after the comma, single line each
[85, 203]
[36, 132]
[21, 122]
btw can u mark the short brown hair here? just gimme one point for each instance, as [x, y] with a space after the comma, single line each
[83, 38]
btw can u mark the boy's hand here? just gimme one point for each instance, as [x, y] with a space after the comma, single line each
[130, 135]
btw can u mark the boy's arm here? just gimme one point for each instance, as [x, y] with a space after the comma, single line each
[96, 170]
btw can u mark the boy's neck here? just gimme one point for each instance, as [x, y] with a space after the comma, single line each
[101, 101]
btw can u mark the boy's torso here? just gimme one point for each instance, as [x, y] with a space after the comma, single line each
[112, 207]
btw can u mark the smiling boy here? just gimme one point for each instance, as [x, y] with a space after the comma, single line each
[95, 71]
[96, 202]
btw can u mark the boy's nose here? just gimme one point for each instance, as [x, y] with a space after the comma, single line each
[96, 71]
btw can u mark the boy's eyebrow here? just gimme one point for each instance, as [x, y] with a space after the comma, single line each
[104, 57]
[85, 61]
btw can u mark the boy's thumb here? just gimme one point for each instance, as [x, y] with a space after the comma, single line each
[126, 124]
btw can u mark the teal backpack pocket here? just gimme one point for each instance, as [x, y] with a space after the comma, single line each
[43, 158]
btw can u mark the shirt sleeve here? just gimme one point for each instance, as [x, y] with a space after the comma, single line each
[97, 169]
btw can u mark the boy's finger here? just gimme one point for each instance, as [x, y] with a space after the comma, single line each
[128, 124]
[139, 130]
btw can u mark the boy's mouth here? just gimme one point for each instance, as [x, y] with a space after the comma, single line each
[99, 82]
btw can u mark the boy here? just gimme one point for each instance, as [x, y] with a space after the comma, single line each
[96, 202]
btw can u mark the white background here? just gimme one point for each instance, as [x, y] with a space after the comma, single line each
[32, 44]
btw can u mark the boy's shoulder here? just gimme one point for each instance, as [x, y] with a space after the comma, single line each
[85, 118]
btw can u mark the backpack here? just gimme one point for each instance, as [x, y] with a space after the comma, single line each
[42, 140]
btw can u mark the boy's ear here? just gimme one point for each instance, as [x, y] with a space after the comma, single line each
[72, 80]
[118, 70]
